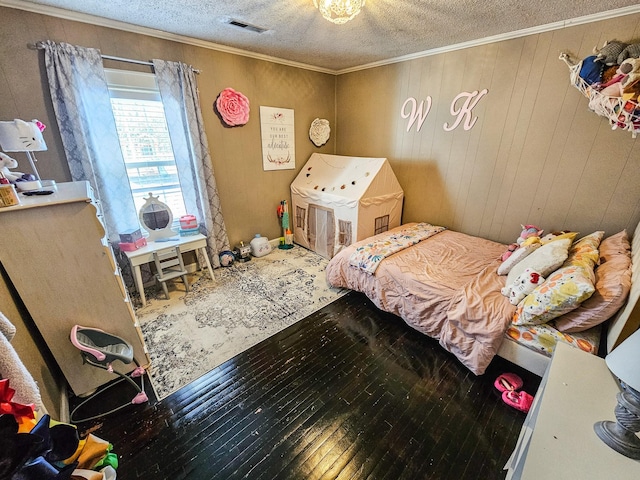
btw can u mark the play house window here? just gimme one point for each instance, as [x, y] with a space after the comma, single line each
[382, 224]
[300, 212]
[344, 237]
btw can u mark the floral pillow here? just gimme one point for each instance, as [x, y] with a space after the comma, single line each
[563, 291]
[584, 252]
[613, 283]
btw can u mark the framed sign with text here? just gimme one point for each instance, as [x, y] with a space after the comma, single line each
[278, 139]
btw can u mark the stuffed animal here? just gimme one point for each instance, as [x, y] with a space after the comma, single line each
[630, 68]
[608, 73]
[591, 71]
[630, 51]
[614, 88]
[631, 93]
[522, 286]
[510, 249]
[609, 52]
[6, 162]
[627, 75]
[529, 231]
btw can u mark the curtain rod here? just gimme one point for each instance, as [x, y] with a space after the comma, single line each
[138, 62]
[111, 57]
[127, 60]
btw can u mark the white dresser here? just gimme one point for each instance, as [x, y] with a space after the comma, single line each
[557, 440]
[55, 254]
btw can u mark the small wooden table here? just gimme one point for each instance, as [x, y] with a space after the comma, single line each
[145, 255]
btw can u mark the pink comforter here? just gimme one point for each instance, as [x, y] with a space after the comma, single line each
[445, 287]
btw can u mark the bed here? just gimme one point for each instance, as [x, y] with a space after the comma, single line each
[446, 286]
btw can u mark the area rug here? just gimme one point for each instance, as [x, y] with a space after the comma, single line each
[192, 333]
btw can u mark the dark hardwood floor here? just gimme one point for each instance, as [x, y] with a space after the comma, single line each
[349, 392]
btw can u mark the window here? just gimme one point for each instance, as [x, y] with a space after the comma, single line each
[300, 212]
[382, 224]
[344, 235]
[144, 138]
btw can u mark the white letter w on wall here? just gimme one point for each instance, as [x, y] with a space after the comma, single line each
[417, 112]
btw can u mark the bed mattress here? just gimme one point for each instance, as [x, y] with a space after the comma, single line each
[445, 287]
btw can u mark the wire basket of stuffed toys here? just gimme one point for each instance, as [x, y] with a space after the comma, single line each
[615, 98]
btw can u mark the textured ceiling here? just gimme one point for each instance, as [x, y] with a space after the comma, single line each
[296, 32]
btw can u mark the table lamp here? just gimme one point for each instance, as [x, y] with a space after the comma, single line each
[624, 363]
[21, 136]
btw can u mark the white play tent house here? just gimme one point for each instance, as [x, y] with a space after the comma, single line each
[338, 200]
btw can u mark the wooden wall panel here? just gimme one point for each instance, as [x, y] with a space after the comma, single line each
[535, 155]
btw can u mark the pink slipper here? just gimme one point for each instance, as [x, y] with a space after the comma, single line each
[519, 400]
[508, 382]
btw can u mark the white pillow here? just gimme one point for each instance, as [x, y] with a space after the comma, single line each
[545, 260]
[517, 256]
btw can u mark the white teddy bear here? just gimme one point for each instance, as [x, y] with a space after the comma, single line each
[522, 286]
[6, 162]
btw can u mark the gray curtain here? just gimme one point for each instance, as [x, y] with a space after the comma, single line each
[83, 110]
[82, 105]
[179, 92]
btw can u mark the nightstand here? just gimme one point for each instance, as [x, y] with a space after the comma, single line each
[557, 440]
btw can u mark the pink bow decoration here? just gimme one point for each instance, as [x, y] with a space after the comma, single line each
[41, 126]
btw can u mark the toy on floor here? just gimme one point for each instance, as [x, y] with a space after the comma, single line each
[286, 241]
[226, 258]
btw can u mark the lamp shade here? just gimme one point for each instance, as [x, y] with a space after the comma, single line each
[21, 136]
[624, 361]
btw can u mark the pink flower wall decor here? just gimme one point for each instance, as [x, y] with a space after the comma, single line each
[232, 107]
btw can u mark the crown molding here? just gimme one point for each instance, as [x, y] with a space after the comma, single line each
[103, 22]
[128, 27]
[596, 17]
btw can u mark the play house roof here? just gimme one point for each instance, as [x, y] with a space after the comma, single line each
[351, 178]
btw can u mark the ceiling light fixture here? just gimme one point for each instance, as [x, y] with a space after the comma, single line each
[339, 11]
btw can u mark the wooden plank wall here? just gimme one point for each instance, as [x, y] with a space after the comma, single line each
[536, 154]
